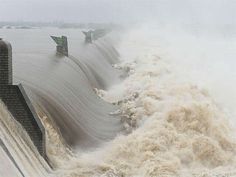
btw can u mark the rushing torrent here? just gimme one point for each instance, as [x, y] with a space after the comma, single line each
[172, 126]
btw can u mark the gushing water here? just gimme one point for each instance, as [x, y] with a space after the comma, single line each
[174, 126]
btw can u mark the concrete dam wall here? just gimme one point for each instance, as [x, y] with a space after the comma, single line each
[17, 101]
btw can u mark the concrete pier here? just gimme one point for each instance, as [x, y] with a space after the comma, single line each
[62, 45]
[17, 101]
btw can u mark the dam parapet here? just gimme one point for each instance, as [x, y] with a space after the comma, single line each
[17, 101]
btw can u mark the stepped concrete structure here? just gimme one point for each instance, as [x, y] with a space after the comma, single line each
[17, 101]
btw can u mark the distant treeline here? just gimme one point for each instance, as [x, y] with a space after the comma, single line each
[29, 25]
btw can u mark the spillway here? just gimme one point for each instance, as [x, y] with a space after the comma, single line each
[62, 87]
[177, 128]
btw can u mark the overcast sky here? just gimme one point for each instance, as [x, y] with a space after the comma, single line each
[119, 11]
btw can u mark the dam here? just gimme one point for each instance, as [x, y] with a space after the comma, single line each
[110, 108]
[54, 86]
[61, 88]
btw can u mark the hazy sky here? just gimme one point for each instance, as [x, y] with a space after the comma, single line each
[204, 11]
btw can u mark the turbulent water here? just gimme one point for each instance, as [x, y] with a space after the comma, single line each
[175, 123]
